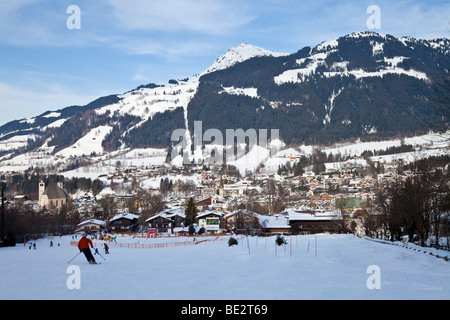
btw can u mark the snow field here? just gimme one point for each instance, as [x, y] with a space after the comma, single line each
[213, 271]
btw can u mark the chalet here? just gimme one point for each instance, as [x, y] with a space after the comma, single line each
[160, 222]
[212, 221]
[276, 224]
[166, 221]
[91, 225]
[124, 222]
[306, 219]
[241, 219]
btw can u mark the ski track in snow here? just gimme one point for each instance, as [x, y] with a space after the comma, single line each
[214, 271]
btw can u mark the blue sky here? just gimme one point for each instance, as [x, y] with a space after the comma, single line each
[126, 43]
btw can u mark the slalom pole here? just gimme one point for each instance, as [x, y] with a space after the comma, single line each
[316, 245]
[74, 257]
[290, 243]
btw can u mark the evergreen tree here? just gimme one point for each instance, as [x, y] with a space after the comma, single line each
[190, 212]
[97, 187]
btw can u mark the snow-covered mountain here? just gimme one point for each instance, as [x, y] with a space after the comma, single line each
[363, 85]
[385, 62]
[146, 102]
[239, 54]
[142, 103]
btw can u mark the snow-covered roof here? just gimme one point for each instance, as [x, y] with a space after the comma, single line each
[276, 221]
[128, 216]
[207, 213]
[168, 214]
[312, 215]
[92, 221]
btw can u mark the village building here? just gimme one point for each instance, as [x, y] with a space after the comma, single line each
[276, 224]
[228, 190]
[212, 202]
[52, 196]
[243, 220]
[305, 220]
[124, 222]
[167, 221]
[212, 221]
[91, 225]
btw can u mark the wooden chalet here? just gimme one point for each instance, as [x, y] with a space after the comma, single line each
[91, 225]
[241, 219]
[166, 221]
[124, 222]
[212, 221]
[305, 220]
[276, 224]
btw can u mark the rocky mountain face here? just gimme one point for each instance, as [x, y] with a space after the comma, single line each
[363, 85]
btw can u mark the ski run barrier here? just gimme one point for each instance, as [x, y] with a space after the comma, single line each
[411, 247]
[151, 246]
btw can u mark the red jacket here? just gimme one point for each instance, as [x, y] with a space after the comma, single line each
[84, 243]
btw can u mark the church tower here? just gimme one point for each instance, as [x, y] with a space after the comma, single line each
[41, 192]
[41, 188]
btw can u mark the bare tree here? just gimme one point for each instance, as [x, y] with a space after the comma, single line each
[150, 204]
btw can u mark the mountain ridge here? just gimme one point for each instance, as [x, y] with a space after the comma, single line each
[358, 85]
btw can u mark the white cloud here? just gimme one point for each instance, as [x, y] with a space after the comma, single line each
[18, 102]
[169, 48]
[202, 16]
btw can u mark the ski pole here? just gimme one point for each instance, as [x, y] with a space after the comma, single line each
[74, 257]
[100, 255]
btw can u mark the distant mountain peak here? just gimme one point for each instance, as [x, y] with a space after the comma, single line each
[360, 84]
[363, 34]
[241, 53]
[331, 44]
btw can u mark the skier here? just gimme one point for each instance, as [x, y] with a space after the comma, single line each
[106, 249]
[83, 245]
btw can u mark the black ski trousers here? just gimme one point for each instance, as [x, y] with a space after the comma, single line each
[87, 252]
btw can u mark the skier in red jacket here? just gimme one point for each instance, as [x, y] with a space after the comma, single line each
[83, 245]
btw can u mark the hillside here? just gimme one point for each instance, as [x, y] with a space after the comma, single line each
[364, 86]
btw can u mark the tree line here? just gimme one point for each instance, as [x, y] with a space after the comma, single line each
[417, 207]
